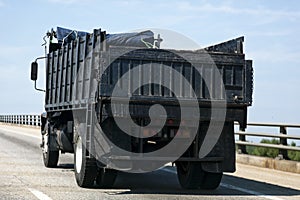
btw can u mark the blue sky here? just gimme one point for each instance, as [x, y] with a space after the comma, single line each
[271, 30]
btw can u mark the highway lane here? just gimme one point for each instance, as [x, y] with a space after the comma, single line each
[23, 176]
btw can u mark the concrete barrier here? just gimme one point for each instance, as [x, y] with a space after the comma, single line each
[21, 125]
[282, 165]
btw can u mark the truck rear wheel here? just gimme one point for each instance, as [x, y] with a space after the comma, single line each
[190, 174]
[50, 157]
[211, 180]
[106, 177]
[85, 168]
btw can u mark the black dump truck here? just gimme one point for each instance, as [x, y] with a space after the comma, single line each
[121, 103]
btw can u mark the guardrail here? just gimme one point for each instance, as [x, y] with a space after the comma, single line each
[35, 120]
[31, 120]
[281, 134]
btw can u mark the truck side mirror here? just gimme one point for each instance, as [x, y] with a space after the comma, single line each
[34, 71]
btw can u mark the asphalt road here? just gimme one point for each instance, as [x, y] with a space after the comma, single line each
[23, 176]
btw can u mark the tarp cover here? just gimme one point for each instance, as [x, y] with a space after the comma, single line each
[140, 39]
[137, 39]
[68, 35]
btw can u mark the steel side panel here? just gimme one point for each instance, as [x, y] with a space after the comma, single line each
[70, 73]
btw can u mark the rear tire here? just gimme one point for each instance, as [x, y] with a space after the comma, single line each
[85, 168]
[190, 174]
[50, 157]
[211, 180]
[106, 177]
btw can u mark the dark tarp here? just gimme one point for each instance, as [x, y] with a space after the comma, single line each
[138, 39]
[68, 34]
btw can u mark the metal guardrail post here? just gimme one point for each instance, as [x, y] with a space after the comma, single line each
[39, 120]
[242, 148]
[283, 141]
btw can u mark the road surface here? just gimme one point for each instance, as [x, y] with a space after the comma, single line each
[23, 176]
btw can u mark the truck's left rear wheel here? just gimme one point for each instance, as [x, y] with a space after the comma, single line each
[106, 177]
[50, 156]
[85, 167]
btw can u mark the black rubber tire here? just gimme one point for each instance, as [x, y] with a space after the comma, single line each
[50, 157]
[106, 178]
[211, 180]
[190, 174]
[86, 175]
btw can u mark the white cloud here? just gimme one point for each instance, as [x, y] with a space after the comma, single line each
[8, 51]
[269, 15]
[272, 56]
[69, 1]
[64, 1]
[270, 33]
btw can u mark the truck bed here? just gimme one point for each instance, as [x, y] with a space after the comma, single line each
[88, 63]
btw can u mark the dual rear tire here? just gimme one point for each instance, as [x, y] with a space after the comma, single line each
[192, 176]
[87, 173]
[50, 152]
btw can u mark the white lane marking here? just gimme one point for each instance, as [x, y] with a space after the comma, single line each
[39, 194]
[23, 133]
[236, 188]
[249, 191]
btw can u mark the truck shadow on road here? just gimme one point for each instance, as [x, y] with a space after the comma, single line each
[65, 166]
[164, 182]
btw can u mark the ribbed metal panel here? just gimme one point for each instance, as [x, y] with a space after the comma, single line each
[202, 77]
[71, 73]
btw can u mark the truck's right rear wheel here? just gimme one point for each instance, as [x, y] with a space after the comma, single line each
[85, 168]
[190, 174]
[211, 180]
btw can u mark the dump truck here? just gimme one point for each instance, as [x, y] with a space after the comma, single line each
[119, 102]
